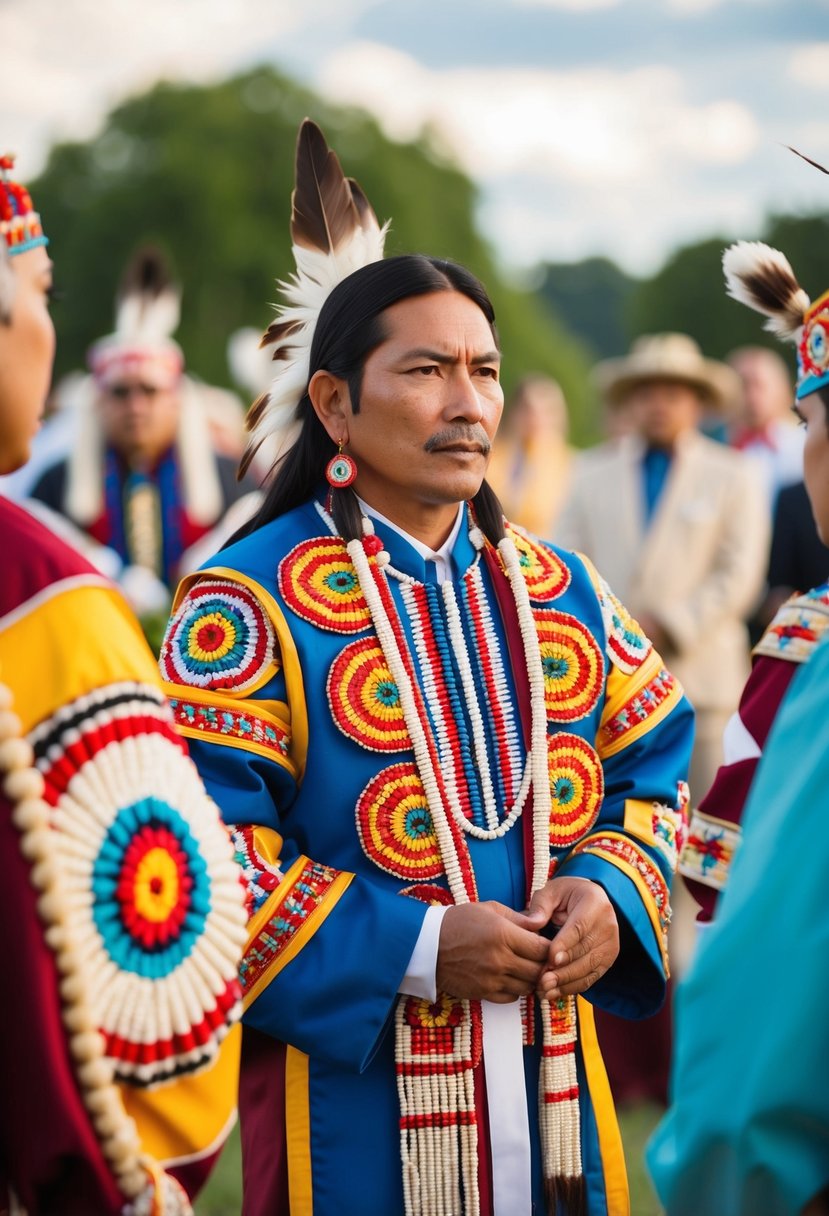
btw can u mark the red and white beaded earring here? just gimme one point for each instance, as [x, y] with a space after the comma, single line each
[341, 469]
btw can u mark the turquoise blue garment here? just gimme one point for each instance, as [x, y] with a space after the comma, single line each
[336, 997]
[747, 1133]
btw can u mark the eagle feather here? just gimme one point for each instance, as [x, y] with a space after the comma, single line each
[762, 278]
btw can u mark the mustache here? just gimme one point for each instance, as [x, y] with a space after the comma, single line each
[459, 434]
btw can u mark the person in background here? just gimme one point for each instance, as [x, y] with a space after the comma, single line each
[748, 1128]
[152, 465]
[531, 460]
[679, 522]
[121, 902]
[764, 428]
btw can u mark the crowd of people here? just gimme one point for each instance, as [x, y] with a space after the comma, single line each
[441, 707]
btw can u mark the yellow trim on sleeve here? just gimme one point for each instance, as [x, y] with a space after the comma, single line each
[288, 653]
[611, 1150]
[275, 713]
[298, 1133]
[621, 689]
[303, 934]
[48, 657]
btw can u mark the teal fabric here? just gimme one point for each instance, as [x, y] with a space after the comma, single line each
[747, 1133]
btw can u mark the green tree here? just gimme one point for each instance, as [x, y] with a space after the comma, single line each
[592, 297]
[688, 293]
[205, 173]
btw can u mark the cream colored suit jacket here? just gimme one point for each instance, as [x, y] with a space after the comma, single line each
[698, 568]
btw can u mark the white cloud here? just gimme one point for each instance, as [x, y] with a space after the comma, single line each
[587, 124]
[809, 65]
[65, 65]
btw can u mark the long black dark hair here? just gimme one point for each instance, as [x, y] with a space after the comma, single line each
[350, 326]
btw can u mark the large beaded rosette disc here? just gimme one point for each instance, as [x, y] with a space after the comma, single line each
[156, 905]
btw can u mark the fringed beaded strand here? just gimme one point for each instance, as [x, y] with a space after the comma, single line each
[433, 1102]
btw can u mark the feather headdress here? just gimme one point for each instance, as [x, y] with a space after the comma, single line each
[147, 313]
[762, 278]
[334, 232]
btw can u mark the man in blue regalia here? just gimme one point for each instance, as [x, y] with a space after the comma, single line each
[454, 765]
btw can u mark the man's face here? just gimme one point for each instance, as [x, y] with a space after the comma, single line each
[140, 416]
[664, 410]
[767, 393]
[430, 404]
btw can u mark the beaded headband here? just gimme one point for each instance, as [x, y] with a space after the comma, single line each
[19, 222]
[334, 232]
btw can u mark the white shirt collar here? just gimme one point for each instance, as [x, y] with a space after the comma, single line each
[442, 557]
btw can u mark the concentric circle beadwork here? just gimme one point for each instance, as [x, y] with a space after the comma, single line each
[220, 637]
[546, 575]
[151, 889]
[577, 788]
[365, 700]
[159, 938]
[626, 640]
[572, 664]
[319, 583]
[395, 825]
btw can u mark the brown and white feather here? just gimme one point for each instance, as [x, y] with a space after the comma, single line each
[762, 278]
[334, 232]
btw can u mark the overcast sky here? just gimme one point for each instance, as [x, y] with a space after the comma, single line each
[623, 127]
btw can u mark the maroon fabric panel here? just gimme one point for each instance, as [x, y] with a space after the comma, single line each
[49, 1152]
[33, 557]
[764, 691]
[262, 1114]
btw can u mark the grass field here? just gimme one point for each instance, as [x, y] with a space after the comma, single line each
[222, 1196]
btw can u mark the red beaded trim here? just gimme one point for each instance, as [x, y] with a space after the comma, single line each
[308, 892]
[640, 706]
[226, 721]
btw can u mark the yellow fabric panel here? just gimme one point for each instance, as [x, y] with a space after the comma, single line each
[607, 1125]
[46, 656]
[639, 820]
[620, 689]
[288, 653]
[298, 1133]
[190, 1116]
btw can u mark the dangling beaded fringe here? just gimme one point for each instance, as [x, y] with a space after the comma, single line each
[426, 1149]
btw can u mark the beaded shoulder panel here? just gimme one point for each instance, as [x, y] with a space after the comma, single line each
[798, 627]
[220, 637]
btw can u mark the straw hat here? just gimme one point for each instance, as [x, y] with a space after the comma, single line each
[667, 357]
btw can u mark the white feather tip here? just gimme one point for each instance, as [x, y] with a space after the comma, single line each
[762, 278]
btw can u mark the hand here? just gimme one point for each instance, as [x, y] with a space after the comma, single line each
[489, 952]
[586, 944]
